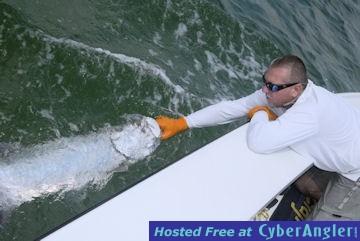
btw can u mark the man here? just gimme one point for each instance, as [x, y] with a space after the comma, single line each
[311, 120]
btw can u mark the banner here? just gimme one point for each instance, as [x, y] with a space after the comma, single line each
[241, 230]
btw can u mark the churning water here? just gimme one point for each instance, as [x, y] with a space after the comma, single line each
[76, 75]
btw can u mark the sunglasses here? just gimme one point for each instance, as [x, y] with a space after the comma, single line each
[273, 87]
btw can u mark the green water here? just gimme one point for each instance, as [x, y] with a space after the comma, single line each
[70, 68]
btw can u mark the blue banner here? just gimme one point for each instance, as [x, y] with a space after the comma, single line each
[240, 230]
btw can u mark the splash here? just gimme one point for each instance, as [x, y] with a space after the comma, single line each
[136, 148]
[72, 163]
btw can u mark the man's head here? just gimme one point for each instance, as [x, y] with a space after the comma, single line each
[284, 80]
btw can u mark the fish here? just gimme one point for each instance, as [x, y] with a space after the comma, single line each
[71, 163]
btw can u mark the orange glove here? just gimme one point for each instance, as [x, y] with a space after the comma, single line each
[271, 115]
[170, 126]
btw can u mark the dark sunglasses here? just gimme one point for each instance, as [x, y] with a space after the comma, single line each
[274, 88]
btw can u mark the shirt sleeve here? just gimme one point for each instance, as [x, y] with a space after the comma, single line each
[225, 111]
[264, 136]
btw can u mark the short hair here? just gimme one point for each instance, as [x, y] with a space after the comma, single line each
[296, 65]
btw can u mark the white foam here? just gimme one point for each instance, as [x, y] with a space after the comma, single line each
[47, 114]
[195, 20]
[181, 30]
[199, 36]
[4, 118]
[217, 65]
[153, 52]
[72, 163]
[73, 127]
[157, 39]
[59, 79]
[198, 65]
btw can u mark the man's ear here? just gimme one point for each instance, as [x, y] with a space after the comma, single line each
[296, 91]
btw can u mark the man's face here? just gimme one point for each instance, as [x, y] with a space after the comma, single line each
[279, 76]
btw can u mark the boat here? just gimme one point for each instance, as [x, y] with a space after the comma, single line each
[235, 185]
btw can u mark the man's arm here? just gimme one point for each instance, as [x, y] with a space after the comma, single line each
[221, 113]
[226, 111]
[264, 136]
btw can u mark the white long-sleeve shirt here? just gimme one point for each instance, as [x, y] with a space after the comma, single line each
[320, 126]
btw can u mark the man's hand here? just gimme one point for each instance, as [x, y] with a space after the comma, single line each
[170, 126]
[271, 115]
